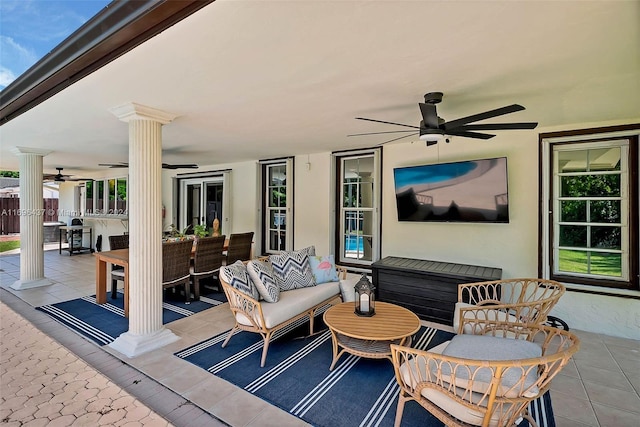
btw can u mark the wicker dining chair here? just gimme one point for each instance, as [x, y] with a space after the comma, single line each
[118, 241]
[207, 261]
[239, 247]
[176, 264]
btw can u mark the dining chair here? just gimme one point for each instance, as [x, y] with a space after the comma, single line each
[207, 261]
[118, 241]
[176, 264]
[239, 247]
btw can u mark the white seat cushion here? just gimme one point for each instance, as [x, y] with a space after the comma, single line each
[484, 347]
[292, 303]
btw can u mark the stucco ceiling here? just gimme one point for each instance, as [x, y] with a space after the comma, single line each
[263, 79]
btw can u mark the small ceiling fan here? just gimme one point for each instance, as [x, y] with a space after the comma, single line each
[433, 128]
[59, 177]
[164, 165]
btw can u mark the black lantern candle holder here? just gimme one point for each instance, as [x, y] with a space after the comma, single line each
[365, 297]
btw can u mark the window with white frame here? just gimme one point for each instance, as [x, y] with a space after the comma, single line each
[592, 212]
[104, 197]
[358, 207]
[277, 230]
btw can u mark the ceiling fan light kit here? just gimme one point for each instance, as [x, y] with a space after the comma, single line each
[433, 128]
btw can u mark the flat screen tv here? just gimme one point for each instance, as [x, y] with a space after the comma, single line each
[468, 191]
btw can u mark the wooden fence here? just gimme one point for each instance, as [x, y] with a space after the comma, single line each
[10, 210]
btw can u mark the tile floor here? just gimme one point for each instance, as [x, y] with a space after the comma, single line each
[600, 387]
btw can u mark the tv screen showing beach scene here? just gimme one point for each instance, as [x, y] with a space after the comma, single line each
[466, 191]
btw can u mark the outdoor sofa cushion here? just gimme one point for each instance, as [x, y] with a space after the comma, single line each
[261, 275]
[237, 276]
[291, 269]
[292, 303]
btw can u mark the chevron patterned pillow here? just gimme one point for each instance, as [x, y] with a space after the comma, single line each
[236, 275]
[292, 270]
[261, 275]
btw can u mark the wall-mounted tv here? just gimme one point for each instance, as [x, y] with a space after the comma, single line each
[467, 191]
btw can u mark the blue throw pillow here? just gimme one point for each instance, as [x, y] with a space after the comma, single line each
[324, 269]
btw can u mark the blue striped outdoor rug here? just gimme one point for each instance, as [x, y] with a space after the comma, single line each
[296, 378]
[103, 323]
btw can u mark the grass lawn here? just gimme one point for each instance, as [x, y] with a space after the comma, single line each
[9, 245]
[603, 264]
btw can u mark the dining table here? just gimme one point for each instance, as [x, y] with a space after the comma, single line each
[120, 257]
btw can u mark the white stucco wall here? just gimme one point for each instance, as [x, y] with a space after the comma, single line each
[512, 247]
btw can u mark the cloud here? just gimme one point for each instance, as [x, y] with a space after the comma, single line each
[15, 60]
[31, 29]
[6, 77]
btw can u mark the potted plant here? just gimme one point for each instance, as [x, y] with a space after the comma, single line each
[200, 230]
[175, 234]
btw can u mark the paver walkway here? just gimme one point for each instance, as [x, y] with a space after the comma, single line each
[43, 384]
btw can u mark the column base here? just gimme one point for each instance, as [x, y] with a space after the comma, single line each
[134, 345]
[19, 285]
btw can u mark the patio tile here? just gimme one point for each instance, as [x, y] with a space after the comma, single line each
[239, 408]
[610, 416]
[614, 397]
[578, 410]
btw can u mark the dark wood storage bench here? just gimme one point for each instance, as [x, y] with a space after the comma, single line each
[428, 288]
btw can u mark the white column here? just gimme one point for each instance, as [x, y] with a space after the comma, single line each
[146, 331]
[31, 219]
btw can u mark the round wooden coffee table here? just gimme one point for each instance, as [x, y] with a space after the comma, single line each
[369, 337]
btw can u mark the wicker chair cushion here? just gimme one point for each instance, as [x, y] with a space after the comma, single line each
[483, 347]
[441, 399]
[292, 270]
[261, 275]
[236, 275]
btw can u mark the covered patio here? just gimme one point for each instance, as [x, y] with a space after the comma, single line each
[598, 388]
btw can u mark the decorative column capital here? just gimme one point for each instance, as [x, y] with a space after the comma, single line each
[27, 150]
[133, 111]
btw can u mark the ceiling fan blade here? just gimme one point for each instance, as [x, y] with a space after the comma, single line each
[380, 133]
[500, 126]
[187, 166]
[466, 134]
[114, 165]
[482, 116]
[395, 139]
[429, 115]
[387, 123]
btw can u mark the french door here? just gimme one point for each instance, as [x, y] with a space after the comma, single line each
[202, 201]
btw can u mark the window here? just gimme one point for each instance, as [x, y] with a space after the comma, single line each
[593, 214]
[103, 198]
[357, 208]
[276, 206]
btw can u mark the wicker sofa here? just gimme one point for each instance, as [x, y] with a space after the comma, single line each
[254, 313]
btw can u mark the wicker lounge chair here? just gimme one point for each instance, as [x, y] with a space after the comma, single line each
[514, 300]
[461, 390]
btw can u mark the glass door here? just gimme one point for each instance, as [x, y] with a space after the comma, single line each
[202, 201]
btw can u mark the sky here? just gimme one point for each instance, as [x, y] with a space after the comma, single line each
[29, 29]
